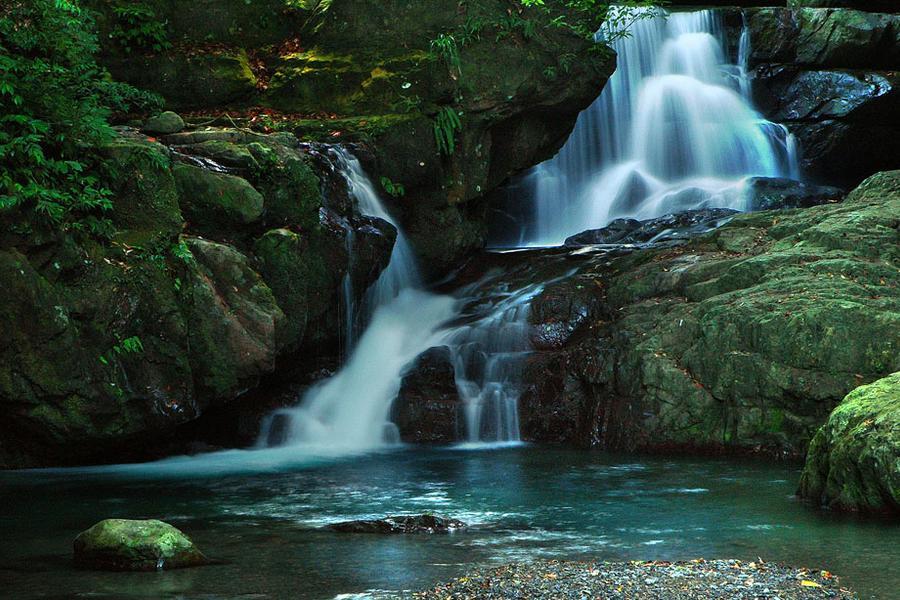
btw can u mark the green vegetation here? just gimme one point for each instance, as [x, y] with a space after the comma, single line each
[446, 124]
[138, 29]
[394, 189]
[55, 103]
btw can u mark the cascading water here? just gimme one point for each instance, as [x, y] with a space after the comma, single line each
[673, 130]
[349, 411]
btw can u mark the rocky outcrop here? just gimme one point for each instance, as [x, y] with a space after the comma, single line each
[743, 339]
[854, 460]
[829, 74]
[126, 545]
[110, 345]
[427, 409]
[497, 82]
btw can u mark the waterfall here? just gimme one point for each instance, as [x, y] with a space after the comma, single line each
[400, 320]
[673, 130]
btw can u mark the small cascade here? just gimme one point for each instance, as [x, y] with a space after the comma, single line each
[349, 411]
[488, 355]
[673, 130]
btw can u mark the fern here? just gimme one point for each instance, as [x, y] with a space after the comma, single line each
[446, 125]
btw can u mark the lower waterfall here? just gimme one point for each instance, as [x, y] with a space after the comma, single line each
[674, 129]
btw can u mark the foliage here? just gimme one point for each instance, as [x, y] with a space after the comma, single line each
[55, 103]
[394, 189]
[446, 124]
[137, 28]
[445, 47]
[132, 345]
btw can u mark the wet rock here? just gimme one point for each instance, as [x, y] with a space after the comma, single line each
[742, 339]
[765, 193]
[829, 75]
[401, 524]
[678, 226]
[128, 545]
[164, 123]
[853, 462]
[427, 409]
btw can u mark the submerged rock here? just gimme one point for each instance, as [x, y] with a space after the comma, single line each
[131, 545]
[401, 524]
[854, 460]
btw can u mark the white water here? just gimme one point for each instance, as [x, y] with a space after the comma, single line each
[349, 411]
[674, 129]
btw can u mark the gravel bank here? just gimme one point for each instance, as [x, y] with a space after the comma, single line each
[698, 579]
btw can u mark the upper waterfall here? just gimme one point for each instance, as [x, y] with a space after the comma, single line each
[674, 129]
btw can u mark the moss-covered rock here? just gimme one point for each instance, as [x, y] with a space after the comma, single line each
[217, 201]
[129, 545]
[744, 339]
[854, 460]
[164, 123]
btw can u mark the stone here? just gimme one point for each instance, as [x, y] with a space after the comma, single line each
[401, 524]
[164, 123]
[765, 193]
[853, 462]
[132, 545]
[427, 409]
[216, 201]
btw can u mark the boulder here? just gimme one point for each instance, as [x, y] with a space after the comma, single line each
[164, 123]
[427, 409]
[853, 462]
[401, 524]
[130, 545]
[214, 202]
[765, 193]
[677, 226]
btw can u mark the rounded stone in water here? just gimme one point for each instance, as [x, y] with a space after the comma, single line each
[135, 545]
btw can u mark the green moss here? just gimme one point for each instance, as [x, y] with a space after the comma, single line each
[215, 201]
[853, 462]
[129, 545]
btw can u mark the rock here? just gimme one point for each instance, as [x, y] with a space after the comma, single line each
[215, 201]
[677, 226]
[829, 75]
[870, 5]
[204, 319]
[427, 409]
[853, 462]
[164, 123]
[128, 545]
[518, 95]
[742, 339]
[233, 319]
[189, 80]
[765, 193]
[401, 524]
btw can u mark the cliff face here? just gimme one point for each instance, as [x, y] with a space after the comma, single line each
[830, 75]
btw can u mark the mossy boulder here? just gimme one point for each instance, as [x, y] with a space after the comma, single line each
[132, 545]
[853, 462]
[164, 123]
[214, 201]
[233, 318]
